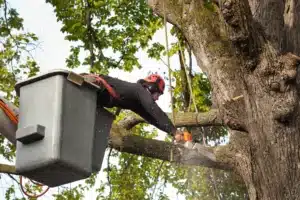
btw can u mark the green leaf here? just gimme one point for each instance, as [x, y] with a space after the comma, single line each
[155, 51]
[124, 26]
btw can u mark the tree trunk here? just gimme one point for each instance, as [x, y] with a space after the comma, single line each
[247, 49]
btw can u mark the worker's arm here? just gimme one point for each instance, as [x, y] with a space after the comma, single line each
[152, 113]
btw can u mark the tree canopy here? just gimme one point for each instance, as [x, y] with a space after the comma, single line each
[97, 28]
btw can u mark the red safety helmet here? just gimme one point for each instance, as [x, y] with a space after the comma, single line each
[159, 83]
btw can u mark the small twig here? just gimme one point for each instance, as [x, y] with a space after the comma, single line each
[91, 42]
[214, 183]
[13, 178]
[163, 62]
[156, 178]
[122, 51]
[108, 170]
[127, 164]
[8, 27]
[17, 43]
[9, 32]
[163, 185]
[18, 183]
[212, 173]
[5, 17]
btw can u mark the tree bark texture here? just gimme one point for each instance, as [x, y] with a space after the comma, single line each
[249, 50]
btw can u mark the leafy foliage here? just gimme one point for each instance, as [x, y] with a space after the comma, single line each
[15, 59]
[112, 31]
[201, 92]
[16, 62]
[203, 183]
[138, 177]
[109, 33]
[16, 45]
[75, 193]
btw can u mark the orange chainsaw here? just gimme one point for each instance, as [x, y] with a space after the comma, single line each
[195, 153]
[187, 136]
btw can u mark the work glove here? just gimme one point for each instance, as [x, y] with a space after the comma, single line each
[178, 137]
[182, 137]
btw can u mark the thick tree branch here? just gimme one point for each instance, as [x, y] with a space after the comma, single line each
[210, 118]
[91, 39]
[172, 9]
[124, 141]
[9, 169]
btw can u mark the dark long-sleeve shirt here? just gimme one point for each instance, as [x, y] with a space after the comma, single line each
[135, 97]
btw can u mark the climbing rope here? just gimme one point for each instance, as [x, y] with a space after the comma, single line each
[196, 110]
[188, 78]
[15, 120]
[170, 71]
[168, 63]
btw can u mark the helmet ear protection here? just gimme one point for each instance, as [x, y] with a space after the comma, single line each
[161, 85]
[156, 83]
[152, 87]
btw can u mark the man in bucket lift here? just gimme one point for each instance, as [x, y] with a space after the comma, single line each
[138, 97]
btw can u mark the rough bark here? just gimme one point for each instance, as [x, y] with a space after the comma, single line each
[280, 20]
[210, 118]
[248, 49]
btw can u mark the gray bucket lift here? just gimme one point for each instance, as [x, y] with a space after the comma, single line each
[61, 135]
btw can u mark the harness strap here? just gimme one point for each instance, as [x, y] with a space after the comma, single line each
[99, 80]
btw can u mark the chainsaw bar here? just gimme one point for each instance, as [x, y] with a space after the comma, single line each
[195, 154]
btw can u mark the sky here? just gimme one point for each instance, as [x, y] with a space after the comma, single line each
[40, 19]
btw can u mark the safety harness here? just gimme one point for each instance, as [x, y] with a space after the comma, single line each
[98, 80]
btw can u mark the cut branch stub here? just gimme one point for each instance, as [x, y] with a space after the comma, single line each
[234, 113]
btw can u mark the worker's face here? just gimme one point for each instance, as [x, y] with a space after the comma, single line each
[155, 96]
